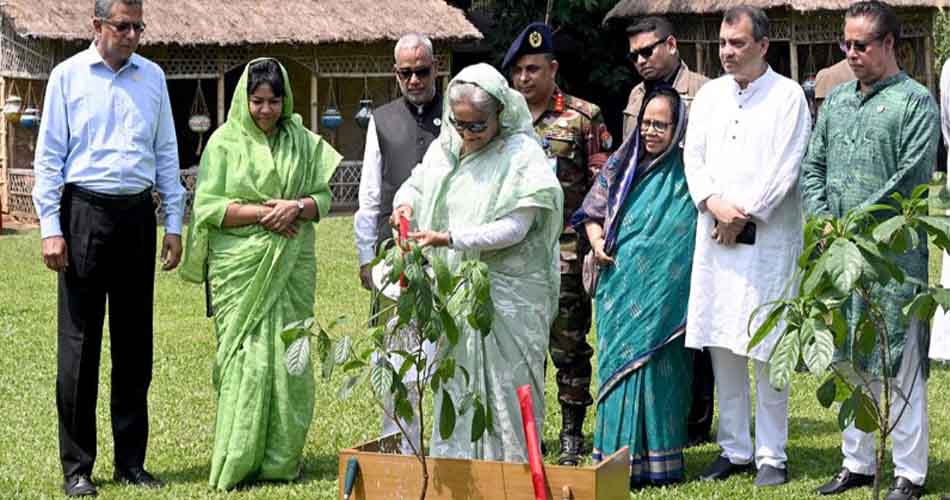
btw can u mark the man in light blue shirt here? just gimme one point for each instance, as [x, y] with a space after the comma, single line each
[106, 140]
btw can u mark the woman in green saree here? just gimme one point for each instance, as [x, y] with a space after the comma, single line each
[641, 224]
[262, 186]
[485, 191]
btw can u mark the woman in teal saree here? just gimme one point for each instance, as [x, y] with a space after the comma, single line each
[641, 224]
[262, 186]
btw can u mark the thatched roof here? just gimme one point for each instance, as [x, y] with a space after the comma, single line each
[239, 22]
[637, 8]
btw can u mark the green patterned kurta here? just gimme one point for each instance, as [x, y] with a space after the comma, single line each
[863, 149]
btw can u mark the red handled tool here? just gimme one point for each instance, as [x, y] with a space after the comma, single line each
[534, 445]
[403, 237]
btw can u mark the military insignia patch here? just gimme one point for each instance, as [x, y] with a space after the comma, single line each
[535, 39]
[437, 122]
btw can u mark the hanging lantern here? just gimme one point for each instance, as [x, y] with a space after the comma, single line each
[12, 106]
[332, 119]
[200, 120]
[30, 118]
[366, 107]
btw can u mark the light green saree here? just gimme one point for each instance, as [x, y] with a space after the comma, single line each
[260, 281]
[448, 192]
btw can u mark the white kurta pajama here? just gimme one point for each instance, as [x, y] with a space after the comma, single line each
[940, 335]
[745, 146]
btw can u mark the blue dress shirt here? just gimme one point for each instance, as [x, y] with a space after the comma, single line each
[107, 131]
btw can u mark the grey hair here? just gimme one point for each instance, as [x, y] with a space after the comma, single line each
[412, 41]
[104, 7]
[475, 95]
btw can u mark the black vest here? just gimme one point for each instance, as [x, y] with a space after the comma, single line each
[404, 136]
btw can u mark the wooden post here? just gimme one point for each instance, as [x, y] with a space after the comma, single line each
[928, 61]
[700, 58]
[221, 116]
[793, 60]
[4, 164]
[314, 103]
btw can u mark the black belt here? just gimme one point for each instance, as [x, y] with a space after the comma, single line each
[118, 201]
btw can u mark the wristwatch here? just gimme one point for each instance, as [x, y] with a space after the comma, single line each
[299, 207]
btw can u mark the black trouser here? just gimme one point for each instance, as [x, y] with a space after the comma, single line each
[110, 244]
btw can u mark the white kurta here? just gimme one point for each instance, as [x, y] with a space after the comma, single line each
[746, 146]
[940, 336]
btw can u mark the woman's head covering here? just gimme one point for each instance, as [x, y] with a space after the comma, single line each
[679, 114]
[515, 118]
[240, 113]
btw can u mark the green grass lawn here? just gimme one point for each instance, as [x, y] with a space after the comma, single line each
[182, 400]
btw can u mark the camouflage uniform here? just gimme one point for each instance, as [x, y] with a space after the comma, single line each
[575, 139]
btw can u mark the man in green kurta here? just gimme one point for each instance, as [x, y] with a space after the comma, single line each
[877, 136]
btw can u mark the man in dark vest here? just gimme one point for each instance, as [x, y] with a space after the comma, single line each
[397, 137]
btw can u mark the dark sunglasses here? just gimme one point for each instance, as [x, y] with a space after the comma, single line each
[858, 46]
[473, 127]
[646, 52]
[124, 27]
[422, 72]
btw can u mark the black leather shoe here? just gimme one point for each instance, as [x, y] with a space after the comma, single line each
[903, 489]
[722, 468]
[844, 481]
[572, 436]
[79, 485]
[137, 477]
[771, 476]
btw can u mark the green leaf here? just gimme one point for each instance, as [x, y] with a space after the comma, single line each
[446, 416]
[466, 403]
[884, 232]
[784, 359]
[291, 335]
[325, 353]
[381, 378]
[449, 327]
[342, 350]
[826, 392]
[404, 409]
[839, 327]
[867, 336]
[922, 307]
[353, 364]
[939, 230]
[407, 302]
[478, 420]
[297, 356]
[767, 326]
[814, 276]
[821, 350]
[846, 414]
[865, 412]
[346, 390]
[443, 276]
[844, 265]
[942, 296]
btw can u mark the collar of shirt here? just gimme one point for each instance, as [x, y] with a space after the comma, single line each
[879, 86]
[94, 58]
[753, 87]
[425, 108]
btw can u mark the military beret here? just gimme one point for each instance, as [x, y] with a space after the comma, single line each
[537, 38]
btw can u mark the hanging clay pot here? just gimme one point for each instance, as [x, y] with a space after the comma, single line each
[364, 114]
[332, 119]
[30, 118]
[199, 124]
[11, 108]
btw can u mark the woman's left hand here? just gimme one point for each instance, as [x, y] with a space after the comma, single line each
[430, 238]
[283, 214]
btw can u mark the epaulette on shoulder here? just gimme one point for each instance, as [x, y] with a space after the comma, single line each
[588, 109]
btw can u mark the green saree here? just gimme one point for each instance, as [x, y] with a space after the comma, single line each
[260, 281]
[450, 192]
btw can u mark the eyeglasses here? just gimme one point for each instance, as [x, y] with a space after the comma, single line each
[421, 72]
[646, 52]
[473, 127]
[124, 27]
[857, 45]
[658, 126]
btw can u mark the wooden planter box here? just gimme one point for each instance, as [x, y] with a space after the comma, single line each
[385, 474]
